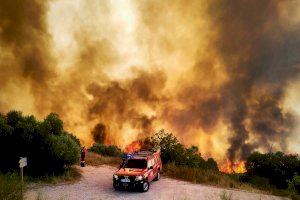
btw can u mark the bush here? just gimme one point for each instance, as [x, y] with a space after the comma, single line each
[65, 150]
[48, 148]
[277, 167]
[73, 137]
[105, 150]
[172, 151]
[294, 184]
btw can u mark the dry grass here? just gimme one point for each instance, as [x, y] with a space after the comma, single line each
[97, 160]
[225, 196]
[10, 187]
[209, 177]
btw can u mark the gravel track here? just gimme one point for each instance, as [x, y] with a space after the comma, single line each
[96, 183]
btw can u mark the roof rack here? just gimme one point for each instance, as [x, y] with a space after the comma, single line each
[143, 153]
[140, 154]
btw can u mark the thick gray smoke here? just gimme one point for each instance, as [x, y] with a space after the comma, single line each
[261, 58]
[204, 66]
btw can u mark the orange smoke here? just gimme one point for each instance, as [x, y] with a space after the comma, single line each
[187, 72]
[133, 147]
[236, 167]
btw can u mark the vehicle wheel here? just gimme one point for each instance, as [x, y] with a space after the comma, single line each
[145, 186]
[157, 176]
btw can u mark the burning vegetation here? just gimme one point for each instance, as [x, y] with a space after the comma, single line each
[217, 80]
[236, 167]
[133, 147]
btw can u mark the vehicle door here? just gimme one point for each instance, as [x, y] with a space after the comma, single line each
[151, 169]
[158, 165]
[159, 162]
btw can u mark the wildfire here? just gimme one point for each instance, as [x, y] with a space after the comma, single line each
[132, 147]
[236, 167]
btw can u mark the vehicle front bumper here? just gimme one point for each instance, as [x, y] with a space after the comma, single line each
[133, 184]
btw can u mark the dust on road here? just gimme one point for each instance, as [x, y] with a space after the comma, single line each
[96, 183]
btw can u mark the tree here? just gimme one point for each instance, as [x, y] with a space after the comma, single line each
[13, 117]
[173, 151]
[48, 148]
[55, 122]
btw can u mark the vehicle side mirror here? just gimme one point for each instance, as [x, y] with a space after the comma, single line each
[151, 167]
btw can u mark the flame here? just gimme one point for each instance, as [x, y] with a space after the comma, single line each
[236, 167]
[133, 147]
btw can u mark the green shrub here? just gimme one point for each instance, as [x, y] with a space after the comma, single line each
[173, 151]
[48, 148]
[64, 150]
[260, 182]
[73, 137]
[296, 182]
[106, 150]
[277, 167]
[294, 185]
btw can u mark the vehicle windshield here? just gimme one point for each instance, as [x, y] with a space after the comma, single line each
[136, 163]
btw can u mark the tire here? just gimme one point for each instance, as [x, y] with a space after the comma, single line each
[157, 176]
[145, 186]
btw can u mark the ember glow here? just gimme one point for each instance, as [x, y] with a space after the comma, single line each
[224, 82]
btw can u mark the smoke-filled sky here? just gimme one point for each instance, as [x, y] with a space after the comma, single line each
[221, 75]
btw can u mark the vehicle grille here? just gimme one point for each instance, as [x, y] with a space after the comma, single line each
[131, 178]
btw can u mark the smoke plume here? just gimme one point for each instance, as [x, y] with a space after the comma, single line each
[256, 51]
[215, 73]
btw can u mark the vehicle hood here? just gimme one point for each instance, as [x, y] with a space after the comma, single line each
[131, 172]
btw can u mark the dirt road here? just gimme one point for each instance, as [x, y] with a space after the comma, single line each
[96, 183]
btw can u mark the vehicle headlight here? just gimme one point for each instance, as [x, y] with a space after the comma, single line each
[116, 176]
[139, 178]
